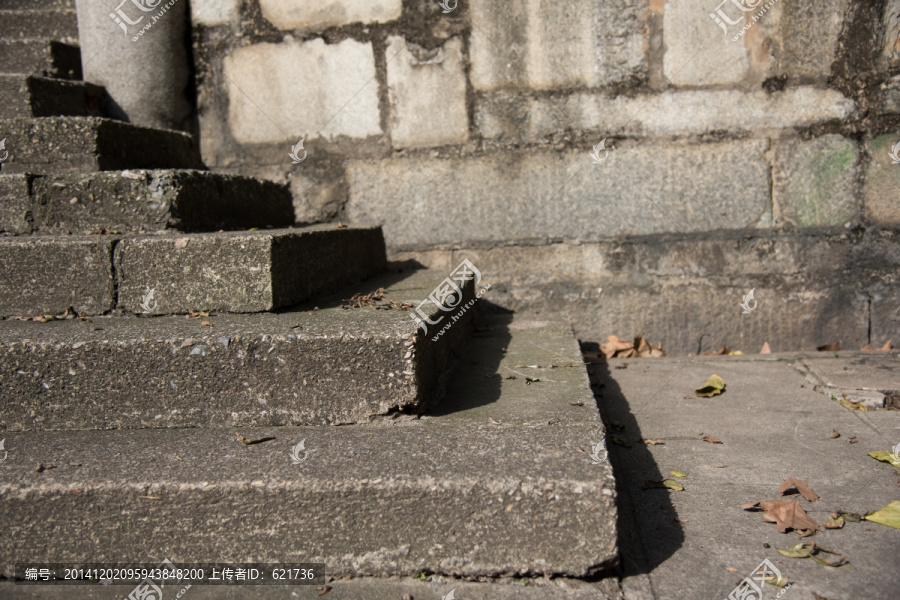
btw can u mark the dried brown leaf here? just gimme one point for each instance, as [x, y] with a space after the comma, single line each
[829, 347]
[786, 514]
[248, 442]
[799, 486]
[766, 349]
[711, 439]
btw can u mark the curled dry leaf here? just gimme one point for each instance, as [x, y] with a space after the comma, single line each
[711, 439]
[620, 441]
[713, 387]
[249, 442]
[829, 347]
[665, 484]
[766, 349]
[835, 521]
[786, 514]
[797, 485]
[616, 347]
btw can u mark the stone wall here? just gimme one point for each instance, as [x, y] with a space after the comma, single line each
[471, 125]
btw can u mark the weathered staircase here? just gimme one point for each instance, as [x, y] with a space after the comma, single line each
[152, 311]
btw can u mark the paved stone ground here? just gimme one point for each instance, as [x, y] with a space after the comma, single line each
[775, 420]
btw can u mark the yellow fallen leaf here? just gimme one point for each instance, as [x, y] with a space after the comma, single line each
[666, 484]
[713, 387]
[889, 515]
[892, 458]
[677, 474]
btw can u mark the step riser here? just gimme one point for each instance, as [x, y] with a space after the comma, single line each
[78, 144]
[48, 276]
[237, 272]
[38, 24]
[140, 202]
[53, 59]
[39, 97]
[243, 272]
[364, 501]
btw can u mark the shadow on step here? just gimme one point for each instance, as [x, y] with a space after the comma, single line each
[647, 522]
[475, 379]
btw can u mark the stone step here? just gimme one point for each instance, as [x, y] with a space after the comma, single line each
[311, 367]
[141, 201]
[55, 145]
[369, 588]
[459, 497]
[250, 271]
[38, 5]
[39, 57]
[38, 24]
[22, 97]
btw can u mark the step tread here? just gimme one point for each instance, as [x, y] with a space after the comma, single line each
[304, 367]
[512, 499]
[141, 201]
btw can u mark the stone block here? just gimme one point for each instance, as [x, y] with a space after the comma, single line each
[39, 57]
[302, 14]
[251, 271]
[546, 45]
[881, 191]
[214, 12]
[55, 145]
[814, 181]
[427, 91]
[284, 92]
[47, 275]
[526, 195]
[15, 204]
[697, 53]
[145, 201]
[46, 97]
[507, 116]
